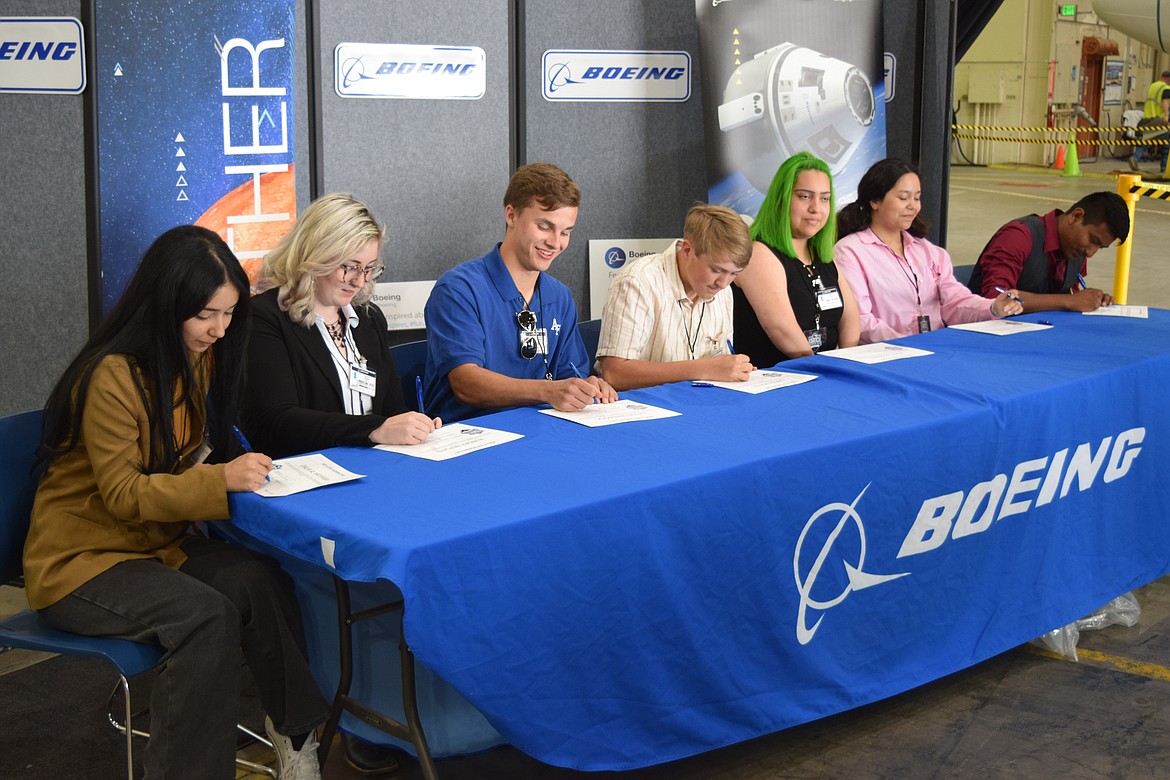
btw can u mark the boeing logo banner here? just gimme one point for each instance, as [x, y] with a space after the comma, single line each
[42, 55]
[409, 71]
[616, 76]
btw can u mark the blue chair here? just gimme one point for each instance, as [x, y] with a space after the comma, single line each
[19, 436]
[590, 331]
[963, 272]
[411, 360]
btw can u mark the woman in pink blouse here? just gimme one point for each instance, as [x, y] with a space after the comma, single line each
[903, 283]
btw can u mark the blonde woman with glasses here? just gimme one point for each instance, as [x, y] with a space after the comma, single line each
[319, 364]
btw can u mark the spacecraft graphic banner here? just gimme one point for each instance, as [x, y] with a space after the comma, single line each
[785, 76]
[195, 125]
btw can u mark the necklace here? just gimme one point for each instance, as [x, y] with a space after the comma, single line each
[337, 332]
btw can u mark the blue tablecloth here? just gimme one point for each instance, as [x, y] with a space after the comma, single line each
[615, 597]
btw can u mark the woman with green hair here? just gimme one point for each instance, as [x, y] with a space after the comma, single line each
[790, 301]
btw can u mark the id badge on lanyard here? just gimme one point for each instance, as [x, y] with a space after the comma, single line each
[829, 298]
[362, 379]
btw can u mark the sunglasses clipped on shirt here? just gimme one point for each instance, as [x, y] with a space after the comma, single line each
[528, 342]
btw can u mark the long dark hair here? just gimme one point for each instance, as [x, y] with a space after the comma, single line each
[877, 181]
[178, 275]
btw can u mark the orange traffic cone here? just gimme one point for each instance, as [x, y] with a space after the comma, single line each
[1059, 164]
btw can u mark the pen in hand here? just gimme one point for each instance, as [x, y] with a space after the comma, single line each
[418, 393]
[578, 375]
[1081, 280]
[244, 443]
[730, 349]
[1008, 294]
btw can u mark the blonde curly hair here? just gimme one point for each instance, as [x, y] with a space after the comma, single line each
[331, 230]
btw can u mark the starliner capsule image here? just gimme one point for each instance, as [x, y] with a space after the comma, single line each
[789, 99]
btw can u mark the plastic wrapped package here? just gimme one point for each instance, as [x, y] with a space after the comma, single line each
[1123, 611]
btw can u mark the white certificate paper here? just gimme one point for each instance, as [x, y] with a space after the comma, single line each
[1000, 327]
[623, 411]
[1122, 310]
[304, 472]
[453, 440]
[761, 381]
[876, 353]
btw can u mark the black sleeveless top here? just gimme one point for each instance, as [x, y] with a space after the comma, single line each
[750, 337]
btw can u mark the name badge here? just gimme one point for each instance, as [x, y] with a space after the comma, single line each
[829, 298]
[201, 452]
[363, 380]
[924, 323]
[537, 339]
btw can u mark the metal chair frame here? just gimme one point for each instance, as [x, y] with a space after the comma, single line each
[19, 436]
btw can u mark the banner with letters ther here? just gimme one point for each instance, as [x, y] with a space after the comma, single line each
[195, 125]
[785, 76]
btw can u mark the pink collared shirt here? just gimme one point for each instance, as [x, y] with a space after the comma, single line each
[892, 292]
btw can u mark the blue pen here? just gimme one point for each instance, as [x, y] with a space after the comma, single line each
[1081, 279]
[244, 443]
[730, 349]
[418, 392]
[1008, 294]
[578, 373]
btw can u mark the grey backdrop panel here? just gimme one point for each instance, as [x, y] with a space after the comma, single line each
[43, 301]
[433, 171]
[640, 165]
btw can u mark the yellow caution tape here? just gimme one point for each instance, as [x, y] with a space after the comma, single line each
[1064, 130]
[1061, 141]
[1152, 191]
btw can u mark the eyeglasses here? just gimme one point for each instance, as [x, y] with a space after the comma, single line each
[350, 273]
[528, 344]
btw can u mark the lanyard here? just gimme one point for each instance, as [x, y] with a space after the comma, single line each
[814, 278]
[692, 342]
[357, 403]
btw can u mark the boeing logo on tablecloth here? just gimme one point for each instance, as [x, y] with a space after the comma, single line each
[951, 516]
[858, 579]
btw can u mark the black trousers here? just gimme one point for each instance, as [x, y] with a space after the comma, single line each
[222, 599]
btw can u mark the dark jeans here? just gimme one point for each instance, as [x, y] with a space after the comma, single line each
[223, 598]
[1156, 152]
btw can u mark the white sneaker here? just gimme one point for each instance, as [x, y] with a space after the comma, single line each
[293, 764]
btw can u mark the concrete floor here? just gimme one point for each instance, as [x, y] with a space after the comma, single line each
[1024, 714]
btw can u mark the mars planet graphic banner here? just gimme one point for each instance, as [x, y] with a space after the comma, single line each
[195, 125]
[786, 76]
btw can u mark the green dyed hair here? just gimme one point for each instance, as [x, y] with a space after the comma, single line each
[773, 225]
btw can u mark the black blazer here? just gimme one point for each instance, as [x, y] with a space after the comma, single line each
[293, 401]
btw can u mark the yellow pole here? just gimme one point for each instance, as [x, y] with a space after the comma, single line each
[1125, 182]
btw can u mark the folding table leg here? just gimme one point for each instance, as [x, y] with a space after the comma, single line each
[342, 702]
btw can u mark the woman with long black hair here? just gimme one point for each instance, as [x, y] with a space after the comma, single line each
[903, 283]
[131, 433]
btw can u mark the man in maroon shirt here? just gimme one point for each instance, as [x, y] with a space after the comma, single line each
[1044, 257]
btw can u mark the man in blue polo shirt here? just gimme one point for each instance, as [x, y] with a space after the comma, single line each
[501, 332]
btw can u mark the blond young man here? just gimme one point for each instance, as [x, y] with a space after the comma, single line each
[668, 317]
